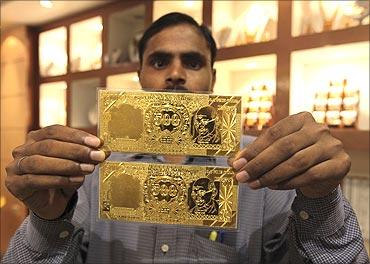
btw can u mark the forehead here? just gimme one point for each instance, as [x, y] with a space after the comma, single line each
[178, 39]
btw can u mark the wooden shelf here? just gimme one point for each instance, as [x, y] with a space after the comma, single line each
[352, 139]
[337, 37]
[248, 50]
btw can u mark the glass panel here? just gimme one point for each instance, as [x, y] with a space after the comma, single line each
[83, 110]
[317, 16]
[254, 79]
[53, 52]
[53, 104]
[124, 81]
[333, 84]
[191, 8]
[125, 30]
[242, 22]
[86, 45]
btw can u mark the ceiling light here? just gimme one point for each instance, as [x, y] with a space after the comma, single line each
[46, 3]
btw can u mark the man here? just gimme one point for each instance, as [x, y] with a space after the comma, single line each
[309, 221]
[203, 198]
[205, 126]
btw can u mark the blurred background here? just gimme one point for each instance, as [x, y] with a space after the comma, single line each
[283, 57]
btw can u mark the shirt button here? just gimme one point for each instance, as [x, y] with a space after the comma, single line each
[165, 248]
[304, 215]
[64, 234]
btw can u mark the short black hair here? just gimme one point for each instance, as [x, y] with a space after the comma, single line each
[173, 19]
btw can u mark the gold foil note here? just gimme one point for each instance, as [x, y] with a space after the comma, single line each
[169, 123]
[168, 194]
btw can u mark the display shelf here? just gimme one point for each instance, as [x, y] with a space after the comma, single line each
[53, 52]
[192, 8]
[314, 70]
[254, 79]
[53, 104]
[86, 44]
[311, 17]
[83, 113]
[124, 31]
[241, 22]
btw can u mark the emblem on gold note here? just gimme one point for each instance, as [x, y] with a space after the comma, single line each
[169, 194]
[170, 123]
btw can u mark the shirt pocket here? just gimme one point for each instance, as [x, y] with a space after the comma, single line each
[208, 251]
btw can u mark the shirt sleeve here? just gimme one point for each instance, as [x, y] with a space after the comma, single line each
[46, 241]
[325, 230]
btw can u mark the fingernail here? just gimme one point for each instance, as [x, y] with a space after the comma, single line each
[240, 163]
[242, 176]
[77, 179]
[92, 141]
[107, 153]
[97, 155]
[255, 184]
[87, 167]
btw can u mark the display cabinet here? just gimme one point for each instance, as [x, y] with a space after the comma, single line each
[273, 53]
[53, 52]
[237, 23]
[192, 8]
[53, 103]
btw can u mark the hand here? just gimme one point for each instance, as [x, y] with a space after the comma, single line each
[295, 153]
[50, 167]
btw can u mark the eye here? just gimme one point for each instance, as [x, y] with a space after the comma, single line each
[193, 64]
[158, 63]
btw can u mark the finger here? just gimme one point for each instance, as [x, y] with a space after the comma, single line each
[64, 150]
[37, 164]
[319, 174]
[25, 185]
[283, 149]
[64, 133]
[294, 166]
[281, 129]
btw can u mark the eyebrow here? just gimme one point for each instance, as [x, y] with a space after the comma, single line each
[193, 56]
[189, 55]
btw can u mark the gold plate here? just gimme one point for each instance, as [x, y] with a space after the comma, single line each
[169, 123]
[168, 194]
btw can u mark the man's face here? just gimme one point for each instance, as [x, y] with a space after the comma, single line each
[201, 195]
[204, 124]
[177, 58]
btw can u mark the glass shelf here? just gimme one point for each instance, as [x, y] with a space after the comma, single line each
[192, 8]
[253, 78]
[53, 52]
[310, 17]
[125, 30]
[128, 81]
[333, 84]
[53, 104]
[241, 22]
[83, 111]
[86, 45]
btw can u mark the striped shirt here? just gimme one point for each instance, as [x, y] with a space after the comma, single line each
[273, 227]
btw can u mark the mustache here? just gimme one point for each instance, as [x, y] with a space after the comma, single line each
[176, 88]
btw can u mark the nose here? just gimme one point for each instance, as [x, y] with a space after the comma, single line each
[176, 75]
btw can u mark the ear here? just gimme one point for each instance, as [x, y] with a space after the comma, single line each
[213, 79]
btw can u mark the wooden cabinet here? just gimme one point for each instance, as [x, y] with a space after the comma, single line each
[266, 45]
